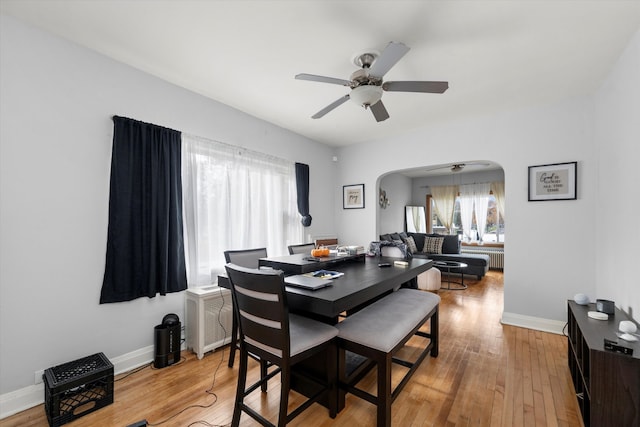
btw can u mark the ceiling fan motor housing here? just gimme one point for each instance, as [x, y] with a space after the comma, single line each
[361, 77]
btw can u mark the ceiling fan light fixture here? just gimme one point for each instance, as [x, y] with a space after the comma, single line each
[366, 95]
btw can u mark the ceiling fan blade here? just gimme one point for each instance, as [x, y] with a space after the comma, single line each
[435, 168]
[331, 106]
[379, 112]
[323, 79]
[426, 87]
[387, 59]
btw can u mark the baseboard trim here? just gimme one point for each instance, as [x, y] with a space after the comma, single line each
[530, 322]
[19, 400]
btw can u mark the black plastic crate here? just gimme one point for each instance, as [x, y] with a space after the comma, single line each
[77, 388]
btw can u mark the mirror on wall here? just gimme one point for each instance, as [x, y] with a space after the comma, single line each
[415, 219]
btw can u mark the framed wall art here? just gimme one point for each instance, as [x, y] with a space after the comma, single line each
[556, 181]
[353, 196]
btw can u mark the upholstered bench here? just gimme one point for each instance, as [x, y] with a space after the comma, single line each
[377, 332]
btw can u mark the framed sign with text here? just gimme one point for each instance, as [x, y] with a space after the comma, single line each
[556, 181]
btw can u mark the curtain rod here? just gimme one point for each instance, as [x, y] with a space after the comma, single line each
[235, 147]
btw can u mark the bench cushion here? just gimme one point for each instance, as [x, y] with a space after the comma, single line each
[387, 322]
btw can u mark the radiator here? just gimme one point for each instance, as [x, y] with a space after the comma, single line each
[209, 315]
[496, 256]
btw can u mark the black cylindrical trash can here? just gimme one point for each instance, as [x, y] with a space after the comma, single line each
[166, 338]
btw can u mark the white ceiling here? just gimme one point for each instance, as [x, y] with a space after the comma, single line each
[496, 55]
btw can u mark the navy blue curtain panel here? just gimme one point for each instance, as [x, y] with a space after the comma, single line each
[302, 188]
[145, 245]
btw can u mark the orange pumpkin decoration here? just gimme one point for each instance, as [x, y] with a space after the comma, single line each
[320, 252]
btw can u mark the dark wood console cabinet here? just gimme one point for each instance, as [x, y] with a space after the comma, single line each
[607, 383]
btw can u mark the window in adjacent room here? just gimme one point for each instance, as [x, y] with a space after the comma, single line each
[495, 230]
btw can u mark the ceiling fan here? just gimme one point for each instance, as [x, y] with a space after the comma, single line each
[367, 85]
[458, 167]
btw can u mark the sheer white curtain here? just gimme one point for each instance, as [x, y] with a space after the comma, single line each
[444, 201]
[234, 199]
[481, 201]
[466, 210]
[498, 194]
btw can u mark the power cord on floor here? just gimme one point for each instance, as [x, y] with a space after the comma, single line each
[180, 362]
[210, 390]
[143, 423]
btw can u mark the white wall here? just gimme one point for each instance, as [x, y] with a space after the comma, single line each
[391, 219]
[617, 136]
[549, 254]
[55, 133]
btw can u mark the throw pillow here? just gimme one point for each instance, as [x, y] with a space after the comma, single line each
[451, 244]
[411, 244]
[433, 245]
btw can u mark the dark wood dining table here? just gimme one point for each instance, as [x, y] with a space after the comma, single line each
[363, 281]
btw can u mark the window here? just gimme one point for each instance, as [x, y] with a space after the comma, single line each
[495, 222]
[234, 199]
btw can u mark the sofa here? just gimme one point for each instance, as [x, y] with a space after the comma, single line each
[441, 248]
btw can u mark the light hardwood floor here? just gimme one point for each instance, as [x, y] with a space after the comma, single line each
[487, 374]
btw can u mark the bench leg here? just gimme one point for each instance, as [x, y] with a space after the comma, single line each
[435, 335]
[384, 392]
[332, 374]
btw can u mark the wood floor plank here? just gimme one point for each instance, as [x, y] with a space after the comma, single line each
[487, 374]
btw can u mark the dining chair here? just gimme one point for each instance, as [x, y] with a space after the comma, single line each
[304, 248]
[331, 243]
[268, 330]
[249, 258]
[245, 257]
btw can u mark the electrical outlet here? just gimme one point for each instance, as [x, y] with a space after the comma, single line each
[37, 376]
